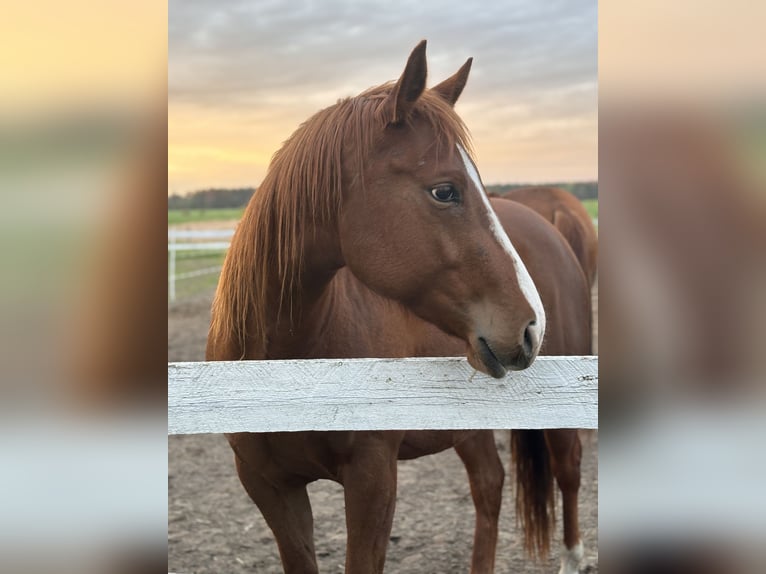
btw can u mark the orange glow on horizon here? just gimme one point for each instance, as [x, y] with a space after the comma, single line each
[212, 148]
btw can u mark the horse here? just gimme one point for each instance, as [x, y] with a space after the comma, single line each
[569, 216]
[372, 236]
[539, 456]
[572, 220]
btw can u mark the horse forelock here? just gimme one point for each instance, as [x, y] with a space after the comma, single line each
[303, 189]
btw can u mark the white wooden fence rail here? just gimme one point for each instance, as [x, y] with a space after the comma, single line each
[175, 234]
[379, 394]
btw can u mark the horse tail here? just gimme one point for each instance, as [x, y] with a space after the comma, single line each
[535, 505]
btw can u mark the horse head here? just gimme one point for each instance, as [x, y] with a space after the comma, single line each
[415, 223]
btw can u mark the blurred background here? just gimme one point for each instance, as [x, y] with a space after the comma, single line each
[682, 166]
[82, 292]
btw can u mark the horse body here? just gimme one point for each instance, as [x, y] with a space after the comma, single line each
[372, 236]
[569, 216]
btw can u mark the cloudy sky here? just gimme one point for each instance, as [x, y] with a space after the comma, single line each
[244, 74]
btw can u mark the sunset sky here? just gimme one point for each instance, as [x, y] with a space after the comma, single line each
[242, 75]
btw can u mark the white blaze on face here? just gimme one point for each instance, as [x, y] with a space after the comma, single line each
[525, 281]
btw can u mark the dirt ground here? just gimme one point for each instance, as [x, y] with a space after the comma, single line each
[213, 527]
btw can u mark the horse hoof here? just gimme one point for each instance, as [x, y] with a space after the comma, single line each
[571, 558]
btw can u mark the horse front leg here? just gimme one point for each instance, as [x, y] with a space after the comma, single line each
[565, 451]
[369, 483]
[485, 475]
[282, 499]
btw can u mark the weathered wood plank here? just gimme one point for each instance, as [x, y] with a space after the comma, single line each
[375, 394]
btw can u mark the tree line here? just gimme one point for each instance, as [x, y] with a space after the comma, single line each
[218, 198]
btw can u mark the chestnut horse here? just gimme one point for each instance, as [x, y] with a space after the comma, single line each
[539, 455]
[569, 216]
[372, 236]
[573, 221]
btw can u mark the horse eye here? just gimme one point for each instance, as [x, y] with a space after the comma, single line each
[444, 193]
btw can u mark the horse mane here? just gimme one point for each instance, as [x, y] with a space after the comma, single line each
[302, 189]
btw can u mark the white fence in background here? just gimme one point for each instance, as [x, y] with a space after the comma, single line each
[379, 394]
[200, 240]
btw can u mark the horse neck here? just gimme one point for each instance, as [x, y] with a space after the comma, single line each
[290, 316]
[257, 305]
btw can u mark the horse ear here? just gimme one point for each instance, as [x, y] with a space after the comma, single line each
[451, 88]
[409, 87]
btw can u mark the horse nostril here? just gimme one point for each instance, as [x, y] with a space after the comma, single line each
[529, 339]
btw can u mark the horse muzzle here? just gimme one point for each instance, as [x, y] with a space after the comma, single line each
[497, 359]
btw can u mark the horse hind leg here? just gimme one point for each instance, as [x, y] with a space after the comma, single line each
[565, 453]
[485, 475]
[287, 510]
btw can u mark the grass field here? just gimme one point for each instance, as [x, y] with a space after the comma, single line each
[177, 216]
[592, 206]
[193, 261]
